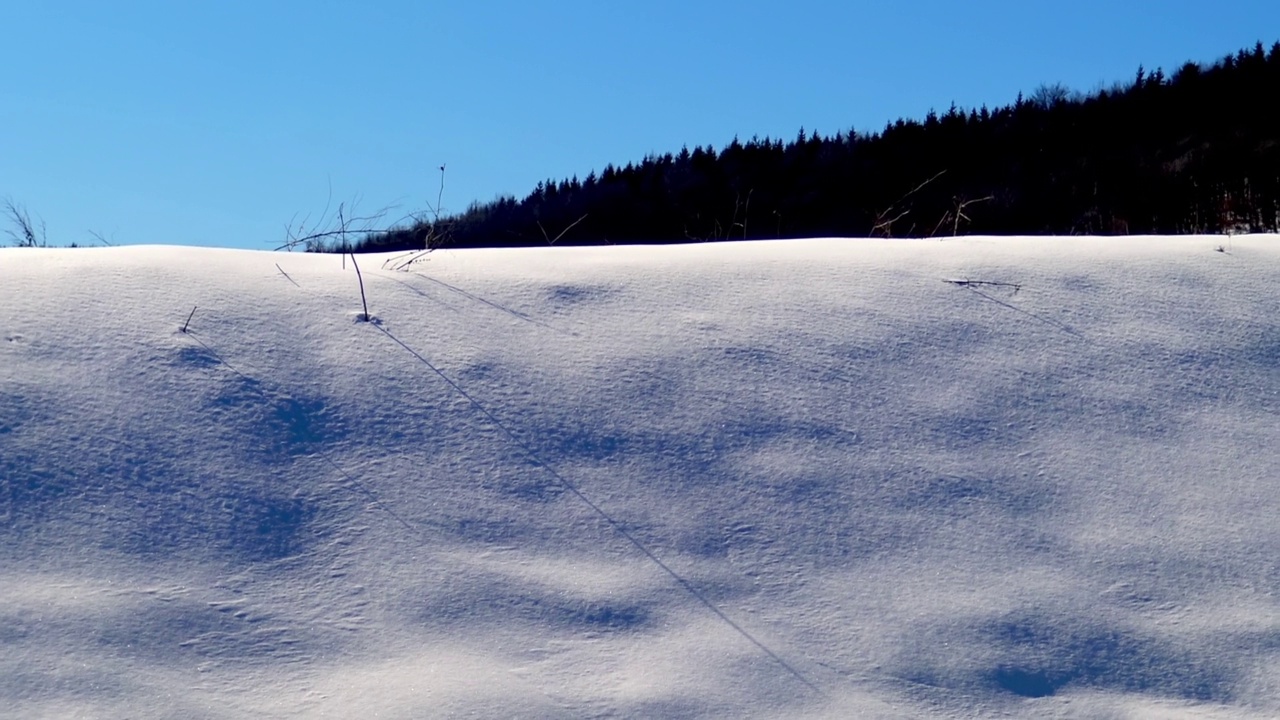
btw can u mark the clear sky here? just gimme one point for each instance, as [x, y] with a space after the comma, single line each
[215, 123]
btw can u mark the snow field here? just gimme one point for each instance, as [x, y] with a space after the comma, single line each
[828, 478]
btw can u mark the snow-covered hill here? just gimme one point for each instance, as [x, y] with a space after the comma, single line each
[830, 478]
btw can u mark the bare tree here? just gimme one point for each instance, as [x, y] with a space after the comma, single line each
[1050, 95]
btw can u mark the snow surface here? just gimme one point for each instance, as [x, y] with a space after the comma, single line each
[775, 479]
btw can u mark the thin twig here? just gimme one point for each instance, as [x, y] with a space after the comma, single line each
[188, 322]
[960, 206]
[440, 195]
[286, 275]
[562, 232]
[984, 283]
[887, 225]
[360, 278]
[414, 257]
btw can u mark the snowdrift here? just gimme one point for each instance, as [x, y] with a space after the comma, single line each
[828, 478]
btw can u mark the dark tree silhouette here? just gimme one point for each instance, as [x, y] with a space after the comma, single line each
[1194, 152]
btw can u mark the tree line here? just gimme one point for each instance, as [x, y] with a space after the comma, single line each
[1195, 151]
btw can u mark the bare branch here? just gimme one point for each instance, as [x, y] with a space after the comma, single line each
[439, 196]
[945, 217]
[984, 283]
[363, 301]
[23, 231]
[320, 235]
[553, 241]
[188, 322]
[341, 225]
[887, 225]
[884, 223]
[960, 206]
[286, 275]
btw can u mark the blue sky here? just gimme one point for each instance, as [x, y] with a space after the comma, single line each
[216, 123]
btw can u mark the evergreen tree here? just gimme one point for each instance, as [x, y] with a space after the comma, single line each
[1197, 152]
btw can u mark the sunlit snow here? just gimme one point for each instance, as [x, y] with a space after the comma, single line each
[833, 478]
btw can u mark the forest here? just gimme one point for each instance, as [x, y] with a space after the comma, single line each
[1192, 151]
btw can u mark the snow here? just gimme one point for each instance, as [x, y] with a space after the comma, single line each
[1032, 477]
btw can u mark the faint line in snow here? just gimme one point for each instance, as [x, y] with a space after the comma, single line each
[617, 526]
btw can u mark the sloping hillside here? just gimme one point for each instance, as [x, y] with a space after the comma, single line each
[827, 478]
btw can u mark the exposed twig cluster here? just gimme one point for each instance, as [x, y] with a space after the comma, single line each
[955, 215]
[334, 231]
[436, 234]
[319, 235]
[890, 215]
[735, 227]
[984, 283]
[24, 232]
